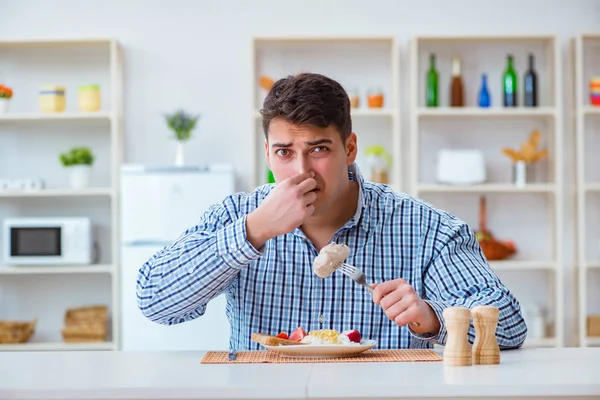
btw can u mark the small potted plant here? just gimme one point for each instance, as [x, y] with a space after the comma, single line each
[5, 96]
[79, 161]
[379, 162]
[182, 124]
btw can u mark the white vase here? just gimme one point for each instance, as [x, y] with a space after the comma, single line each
[79, 176]
[4, 105]
[179, 156]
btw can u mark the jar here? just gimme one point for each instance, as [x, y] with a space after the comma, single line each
[52, 98]
[375, 98]
[595, 90]
[89, 97]
[354, 98]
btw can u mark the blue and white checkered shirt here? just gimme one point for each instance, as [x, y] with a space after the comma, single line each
[274, 289]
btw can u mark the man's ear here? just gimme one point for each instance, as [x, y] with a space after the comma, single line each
[267, 153]
[351, 148]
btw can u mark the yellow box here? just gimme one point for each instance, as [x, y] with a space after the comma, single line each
[52, 98]
[89, 97]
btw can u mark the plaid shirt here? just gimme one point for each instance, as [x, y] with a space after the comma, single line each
[274, 289]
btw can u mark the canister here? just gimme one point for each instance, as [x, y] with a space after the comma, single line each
[595, 90]
[52, 98]
[89, 97]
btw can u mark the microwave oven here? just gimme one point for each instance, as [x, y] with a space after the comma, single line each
[47, 241]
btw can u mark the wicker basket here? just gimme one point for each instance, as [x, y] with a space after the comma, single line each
[92, 314]
[16, 331]
[493, 249]
[84, 333]
[85, 324]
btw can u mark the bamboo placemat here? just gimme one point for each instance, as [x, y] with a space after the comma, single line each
[260, 357]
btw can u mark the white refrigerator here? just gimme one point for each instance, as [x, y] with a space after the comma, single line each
[157, 205]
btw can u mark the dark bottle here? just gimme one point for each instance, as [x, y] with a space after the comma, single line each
[509, 81]
[530, 86]
[431, 95]
[456, 87]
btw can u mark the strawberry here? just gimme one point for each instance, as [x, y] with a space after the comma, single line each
[298, 334]
[282, 335]
[353, 335]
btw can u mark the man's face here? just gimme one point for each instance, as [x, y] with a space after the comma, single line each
[293, 149]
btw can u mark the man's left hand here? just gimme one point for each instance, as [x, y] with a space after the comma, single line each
[403, 305]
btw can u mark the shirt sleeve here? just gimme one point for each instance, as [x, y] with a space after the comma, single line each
[176, 284]
[459, 275]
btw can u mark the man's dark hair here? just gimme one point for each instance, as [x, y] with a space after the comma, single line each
[308, 99]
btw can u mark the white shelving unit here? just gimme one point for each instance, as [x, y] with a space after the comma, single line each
[585, 60]
[357, 63]
[45, 292]
[490, 130]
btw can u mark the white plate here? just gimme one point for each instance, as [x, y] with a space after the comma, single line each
[323, 350]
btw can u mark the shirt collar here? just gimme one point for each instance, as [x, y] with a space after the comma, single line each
[361, 216]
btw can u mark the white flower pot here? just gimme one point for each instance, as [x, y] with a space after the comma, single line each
[179, 154]
[4, 105]
[79, 176]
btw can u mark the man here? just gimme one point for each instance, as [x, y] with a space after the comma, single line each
[258, 248]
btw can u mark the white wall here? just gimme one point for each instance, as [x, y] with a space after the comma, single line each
[196, 55]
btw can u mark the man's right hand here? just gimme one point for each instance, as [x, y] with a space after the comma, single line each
[287, 207]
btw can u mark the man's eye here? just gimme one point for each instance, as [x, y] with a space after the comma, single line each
[321, 149]
[282, 152]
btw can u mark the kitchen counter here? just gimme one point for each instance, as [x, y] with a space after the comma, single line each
[544, 373]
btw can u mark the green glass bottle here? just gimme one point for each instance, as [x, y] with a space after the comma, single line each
[509, 81]
[431, 96]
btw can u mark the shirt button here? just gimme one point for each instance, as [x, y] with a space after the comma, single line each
[232, 246]
[191, 271]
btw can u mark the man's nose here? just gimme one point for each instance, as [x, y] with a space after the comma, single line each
[304, 165]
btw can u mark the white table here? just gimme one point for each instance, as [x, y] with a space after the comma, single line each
[544, 373]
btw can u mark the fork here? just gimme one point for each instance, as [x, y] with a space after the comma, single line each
[359, 277]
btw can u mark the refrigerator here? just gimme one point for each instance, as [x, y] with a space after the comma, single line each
[157, 205]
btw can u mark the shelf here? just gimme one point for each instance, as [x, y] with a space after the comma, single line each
[53, 270]
[592, 187]
[483, 38]
[591, 110]
[321, 39]
[592, 341]
[593, 264]
[57, 192]
[544, 342]
[59, 116]
[515, 265]
[55, 42]
[445, 112]
[57, 346]
[360, 112]
[487, 188]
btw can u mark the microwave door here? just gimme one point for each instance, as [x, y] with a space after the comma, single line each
[35, 242]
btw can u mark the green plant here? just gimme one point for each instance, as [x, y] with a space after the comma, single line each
[379, 152]
[77, 156]
[182, 124]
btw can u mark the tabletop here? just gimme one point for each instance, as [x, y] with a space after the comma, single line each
[552, 372]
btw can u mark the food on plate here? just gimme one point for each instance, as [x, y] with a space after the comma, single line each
[268, 340]
[317, 337]
[330, 258]
[331, 336]
[298, 334]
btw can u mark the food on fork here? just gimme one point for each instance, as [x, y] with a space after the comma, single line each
[330, 258]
